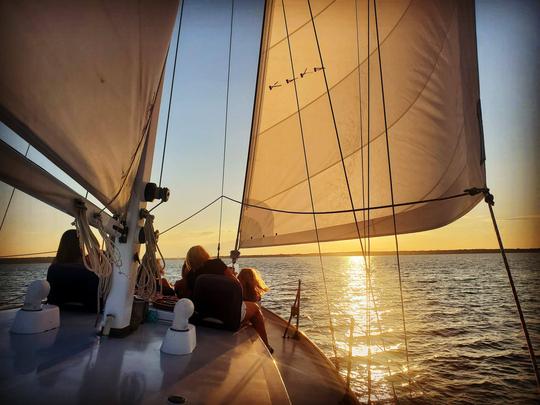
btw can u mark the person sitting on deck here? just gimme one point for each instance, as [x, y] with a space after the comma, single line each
[165, 287]
[198, 263]
[70, 281]
[253, 286]
[181, 288]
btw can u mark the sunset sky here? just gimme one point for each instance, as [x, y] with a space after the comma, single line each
[508, 48]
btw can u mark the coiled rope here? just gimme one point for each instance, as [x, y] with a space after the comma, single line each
[149, 273]
[95, 259]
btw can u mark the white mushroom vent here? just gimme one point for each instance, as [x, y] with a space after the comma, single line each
[180, 337]
[34, 317]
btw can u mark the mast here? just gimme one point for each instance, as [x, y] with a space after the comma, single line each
[120, 300]
[124, 278]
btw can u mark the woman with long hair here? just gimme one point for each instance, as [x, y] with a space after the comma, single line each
[198, 262]
[253, 286]
[69, 249]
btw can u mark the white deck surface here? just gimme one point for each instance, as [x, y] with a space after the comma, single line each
[73, 365]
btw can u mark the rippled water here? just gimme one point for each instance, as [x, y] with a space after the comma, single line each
[465, 343]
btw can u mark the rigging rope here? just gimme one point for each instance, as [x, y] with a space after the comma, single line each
[351, 200]
[309, 186]
[191, 216]
[263, 34]
[11, 196]
[171, 95]
[368, 209]
[141, 143]
[368, 280]
[391, 190]
[149, 274]
[225, 129]
[94, 258]
[27, 254]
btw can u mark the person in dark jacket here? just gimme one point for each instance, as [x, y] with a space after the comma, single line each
[198, 262]
[70, 281]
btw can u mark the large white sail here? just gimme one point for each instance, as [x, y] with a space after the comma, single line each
[431, 91]
[79, 81]
[23, 174]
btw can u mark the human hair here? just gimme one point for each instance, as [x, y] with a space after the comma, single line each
[253, 286]
[69, 249]
[196, 256]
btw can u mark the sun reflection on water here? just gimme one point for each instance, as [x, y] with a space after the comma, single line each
[374, 344]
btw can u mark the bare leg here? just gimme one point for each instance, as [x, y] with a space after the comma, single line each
[255, 316]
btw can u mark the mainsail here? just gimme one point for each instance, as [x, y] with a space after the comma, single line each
[431, 93]
[79, 81]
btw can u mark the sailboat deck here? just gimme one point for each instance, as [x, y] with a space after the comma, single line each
[73, 365]
[309, 376]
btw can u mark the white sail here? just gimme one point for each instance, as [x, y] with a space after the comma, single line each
[79, 81]
[23, 174]
[430, 77]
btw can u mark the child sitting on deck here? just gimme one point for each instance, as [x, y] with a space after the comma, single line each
[253, 286]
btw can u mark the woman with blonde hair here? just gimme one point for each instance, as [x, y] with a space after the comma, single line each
[253, 286]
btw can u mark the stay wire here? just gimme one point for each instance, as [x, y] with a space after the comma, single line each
[252, 142]
[351, 200]
[368, 279]
[27, 254]
[368, 209]
[225, 129]
[171, 94]
[489, 200]
[392, 191]
[301, 212]
[309, 185]
[360, 111]
[11, 196]
[189, 217]
[367, 261]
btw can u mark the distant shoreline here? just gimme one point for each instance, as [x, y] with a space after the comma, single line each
[49, 259]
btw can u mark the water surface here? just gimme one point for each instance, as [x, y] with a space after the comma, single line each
[464, 338]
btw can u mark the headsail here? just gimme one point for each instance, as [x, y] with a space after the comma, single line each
[81, 88]
[429, 65]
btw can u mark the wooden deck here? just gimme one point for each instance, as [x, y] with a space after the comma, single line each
[309, 376]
